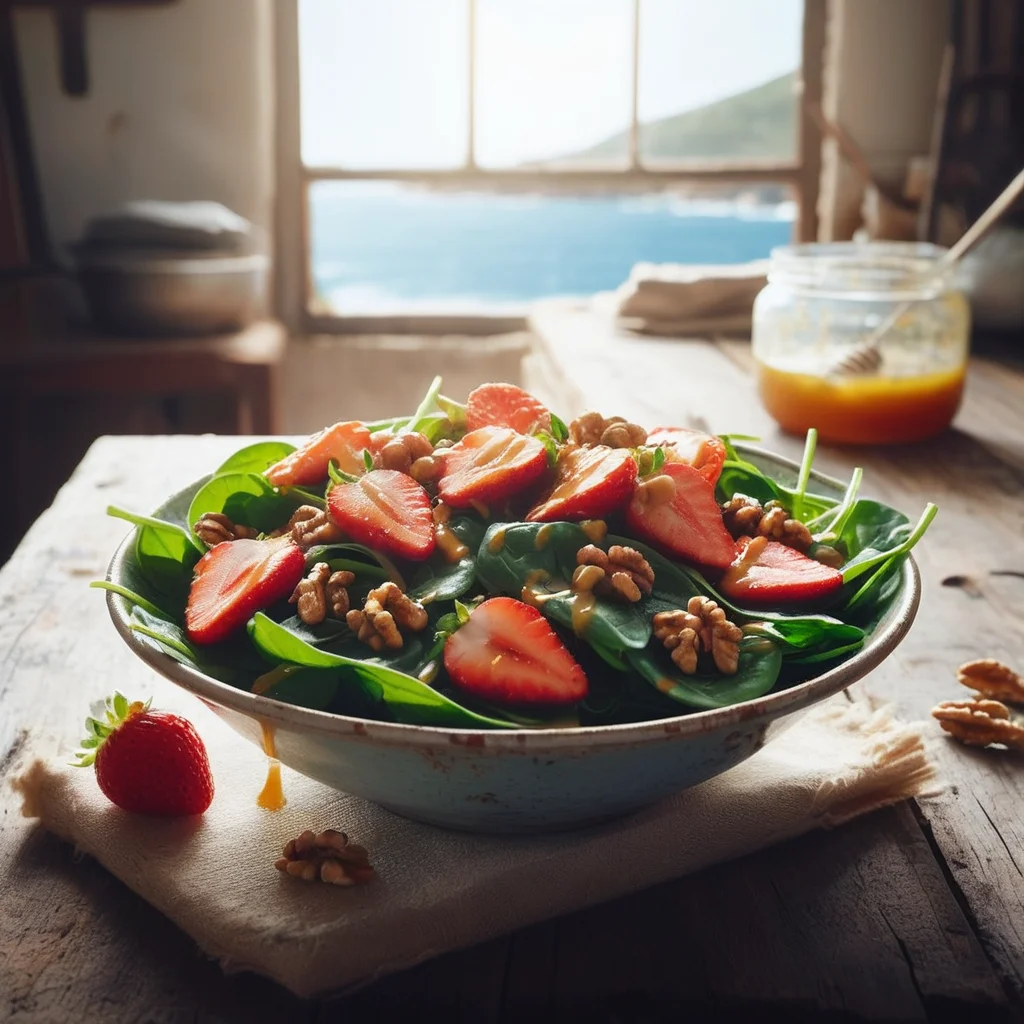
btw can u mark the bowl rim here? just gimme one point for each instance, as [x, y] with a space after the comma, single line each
[266, 710]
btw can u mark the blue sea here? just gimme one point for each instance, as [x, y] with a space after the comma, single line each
[384, 247]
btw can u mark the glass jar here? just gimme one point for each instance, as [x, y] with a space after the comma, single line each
[823, 301]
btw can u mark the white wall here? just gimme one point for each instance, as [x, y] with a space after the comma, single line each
[180, 106]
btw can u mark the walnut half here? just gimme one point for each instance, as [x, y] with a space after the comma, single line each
[703, 626]
[213, 528]
[623, 573]
[326, 856]
[321, 593]
[992, 679]
[979, 723]
[592, 428]
[386, 612]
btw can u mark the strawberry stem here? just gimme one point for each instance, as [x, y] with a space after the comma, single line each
[116, 711]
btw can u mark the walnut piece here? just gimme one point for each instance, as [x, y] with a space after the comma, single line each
[623, 573]
[403, 450]
[326, 856]
[992, 679]
[746, 517]
[310, 525]
[386, 612]
[213, 528]
[979, 723]
[321, 592]
[655, 490]
[702, 627]
[592, 428]
[827, 555]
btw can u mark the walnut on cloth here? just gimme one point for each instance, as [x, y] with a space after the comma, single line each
[322, 593]
[325, 856]
[386, 612]
[702, 627]
[622, 574]
[992, 679]
[310, 525]
[979, 723]
[213, 528]
[615, 432]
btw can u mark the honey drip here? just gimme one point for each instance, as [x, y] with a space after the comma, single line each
[272, 796]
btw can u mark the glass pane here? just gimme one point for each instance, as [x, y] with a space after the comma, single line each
[381, 247]
[553, 80]
[717, 79]
[384, 84]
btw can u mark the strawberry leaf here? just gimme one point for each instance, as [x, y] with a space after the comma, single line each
[559, 431]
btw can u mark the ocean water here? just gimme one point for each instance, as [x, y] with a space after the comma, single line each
[380, 246]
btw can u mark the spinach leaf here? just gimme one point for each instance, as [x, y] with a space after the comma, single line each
[874, 533]
[742, 477]
[800, 635]
[408, 699]
[232, 661]
[246, 498]
[131, 595]
[438, 579]
[760, 662]
[306, 687]
[255, 458]
[165, 555]
[537, 560]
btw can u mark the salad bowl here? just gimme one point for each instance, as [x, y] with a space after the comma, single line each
[517, 780]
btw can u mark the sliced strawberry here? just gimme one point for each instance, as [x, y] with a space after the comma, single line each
[684, 519]
[767, 572]
[236, 579]
[704, 452]
[505, 405]
[344, 443]
[385, 510]
[508, 653]
[589, 483]
[490, 464]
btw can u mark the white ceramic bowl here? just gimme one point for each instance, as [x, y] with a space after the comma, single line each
[520, 780]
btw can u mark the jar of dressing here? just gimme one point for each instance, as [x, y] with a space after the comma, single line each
[822, 302]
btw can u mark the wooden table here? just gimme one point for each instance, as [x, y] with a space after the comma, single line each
[912, 913]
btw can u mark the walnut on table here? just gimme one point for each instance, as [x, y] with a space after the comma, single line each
[702, 627]
[326, 856]
[321, 593]
[979, 723]
[386, 612]
[992, 679]
[622, 573]
[614, 431]
[213, 528]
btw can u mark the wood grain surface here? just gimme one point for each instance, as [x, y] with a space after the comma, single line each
[913, 913]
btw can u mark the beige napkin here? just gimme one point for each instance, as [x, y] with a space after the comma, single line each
[673, 299]
[438, 890]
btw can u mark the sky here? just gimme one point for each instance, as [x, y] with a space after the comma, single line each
[385, 82]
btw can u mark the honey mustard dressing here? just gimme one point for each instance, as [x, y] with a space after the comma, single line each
[447, 540]
[862, 410]
[271, 797]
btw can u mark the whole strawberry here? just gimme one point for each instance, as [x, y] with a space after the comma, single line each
[147, 762]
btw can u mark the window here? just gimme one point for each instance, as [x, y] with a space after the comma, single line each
[459, 158]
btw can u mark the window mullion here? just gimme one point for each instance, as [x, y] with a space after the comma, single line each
[471, 127]
[634, 120]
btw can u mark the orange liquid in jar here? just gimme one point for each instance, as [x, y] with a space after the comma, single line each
[862, 410]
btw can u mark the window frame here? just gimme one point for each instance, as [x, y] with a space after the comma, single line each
[293, 292]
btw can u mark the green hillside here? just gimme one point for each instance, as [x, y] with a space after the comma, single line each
[757, 124]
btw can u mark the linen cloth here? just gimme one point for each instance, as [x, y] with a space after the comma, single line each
[671, 299]
[438, 890]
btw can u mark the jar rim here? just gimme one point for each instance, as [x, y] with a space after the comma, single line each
[863, 268]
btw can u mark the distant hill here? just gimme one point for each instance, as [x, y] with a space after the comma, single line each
[757, 124]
